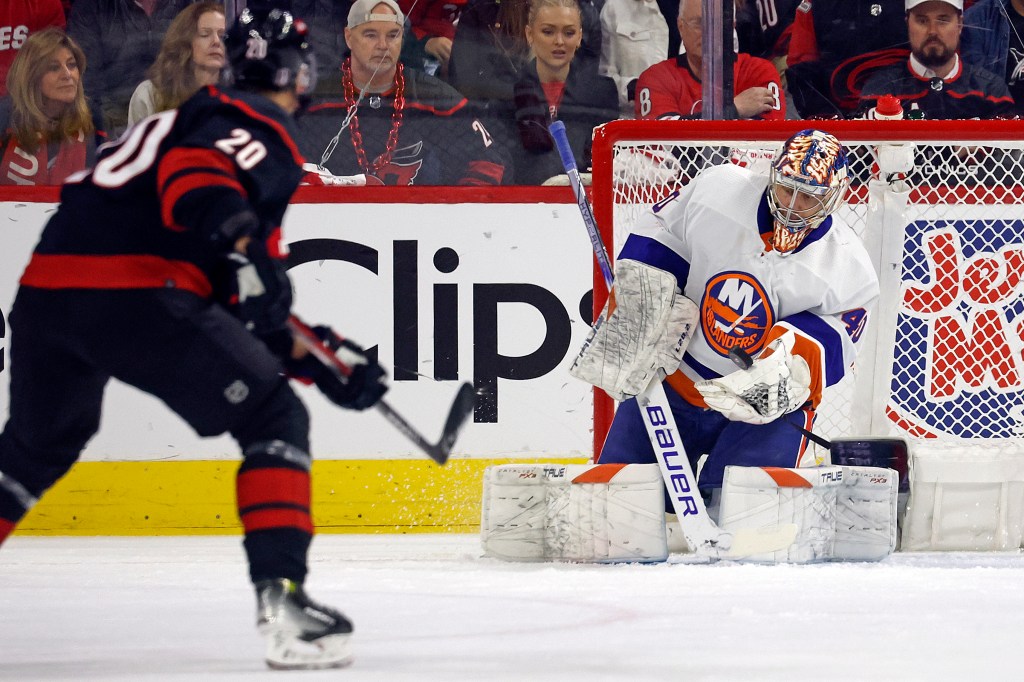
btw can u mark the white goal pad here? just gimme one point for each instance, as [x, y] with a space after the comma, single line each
[765, 498]
[834, 512]
[866, 514]
[965, 496]
[600, 513]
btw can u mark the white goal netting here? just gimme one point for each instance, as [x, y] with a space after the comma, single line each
[943, 356]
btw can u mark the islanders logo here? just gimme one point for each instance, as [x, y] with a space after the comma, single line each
[735, 312]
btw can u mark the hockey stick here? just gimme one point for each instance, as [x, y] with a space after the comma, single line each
[461, 409]
[701, 532]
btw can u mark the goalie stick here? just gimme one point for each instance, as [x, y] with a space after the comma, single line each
[461, 409]
[701, 532]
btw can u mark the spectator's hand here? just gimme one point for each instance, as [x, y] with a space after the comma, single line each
[754, 102]
[440, 48]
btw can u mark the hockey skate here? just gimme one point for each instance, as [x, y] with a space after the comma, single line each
[300, 634]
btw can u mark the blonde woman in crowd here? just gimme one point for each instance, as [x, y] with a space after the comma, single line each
[191, 56]
[45, 123]
[557, 86]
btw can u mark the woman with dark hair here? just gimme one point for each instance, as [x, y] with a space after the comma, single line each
[45, 123]
[191, 56]
[557, 86]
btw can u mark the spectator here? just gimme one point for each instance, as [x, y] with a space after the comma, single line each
[672, 88]
[45, 121]
[19, 18]
[554, 86]
[121, 38]
[634, 36]
[764, 28]
[835, 43]
[490, 48]
[396, 125]
[934, 78]
[192, 56]
[993, 39]
[429, 36]
[670, 10]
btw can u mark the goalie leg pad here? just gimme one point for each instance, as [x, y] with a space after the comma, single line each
[866, 514]
[601, 513]
[647, 326]
[763, 499]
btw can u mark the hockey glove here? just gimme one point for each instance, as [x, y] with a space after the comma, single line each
[359, 390]
[778, 382]
[262, 295]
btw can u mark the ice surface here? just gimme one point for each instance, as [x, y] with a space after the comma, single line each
[429, 607]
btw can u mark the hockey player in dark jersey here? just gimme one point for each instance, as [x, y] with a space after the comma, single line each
[132, 279]
[396, 125]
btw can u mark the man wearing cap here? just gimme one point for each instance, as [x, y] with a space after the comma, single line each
[394, 124]
[935, 78]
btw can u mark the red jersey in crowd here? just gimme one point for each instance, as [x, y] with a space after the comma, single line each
[19, 18]
[669, 89]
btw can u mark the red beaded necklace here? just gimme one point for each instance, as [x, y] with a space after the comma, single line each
[396, 118]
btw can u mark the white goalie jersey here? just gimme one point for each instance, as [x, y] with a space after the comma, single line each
[713, 235]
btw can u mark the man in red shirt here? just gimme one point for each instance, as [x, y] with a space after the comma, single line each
[19, 18]
[672, 88]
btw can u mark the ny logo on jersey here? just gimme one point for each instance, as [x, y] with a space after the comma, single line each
[735, 313]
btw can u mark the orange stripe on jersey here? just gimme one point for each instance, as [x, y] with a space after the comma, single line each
[257, 487]
[809, 350]
[265, 519]
[784, 478]
[683, 385]
[600, 473]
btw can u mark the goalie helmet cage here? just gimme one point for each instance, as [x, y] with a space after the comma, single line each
[941, 358]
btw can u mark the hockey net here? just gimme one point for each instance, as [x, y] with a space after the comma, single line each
[943, 355]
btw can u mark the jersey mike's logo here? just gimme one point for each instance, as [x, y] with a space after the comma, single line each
[958, 367]
[735, 313]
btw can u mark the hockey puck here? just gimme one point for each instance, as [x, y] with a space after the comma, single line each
[740, 357]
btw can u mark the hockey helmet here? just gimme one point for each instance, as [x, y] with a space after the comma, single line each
[269, 50]
[807, 182]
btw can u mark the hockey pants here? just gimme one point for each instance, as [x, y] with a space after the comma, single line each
[195, 357]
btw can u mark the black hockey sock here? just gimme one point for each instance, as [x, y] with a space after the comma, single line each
[273, 488]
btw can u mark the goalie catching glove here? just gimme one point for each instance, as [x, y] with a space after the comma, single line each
[647, 324]
[777, 383]
[363, 386]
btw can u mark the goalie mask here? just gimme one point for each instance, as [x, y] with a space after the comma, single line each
[270, 51]
[807, 181]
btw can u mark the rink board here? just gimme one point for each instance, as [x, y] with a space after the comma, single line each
[197, 497]
[453, 285]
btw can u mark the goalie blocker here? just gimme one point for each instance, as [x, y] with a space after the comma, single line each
[606, 513]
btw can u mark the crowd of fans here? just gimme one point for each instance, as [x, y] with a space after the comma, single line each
[463, 91]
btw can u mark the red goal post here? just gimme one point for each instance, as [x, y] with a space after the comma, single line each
[943, 355]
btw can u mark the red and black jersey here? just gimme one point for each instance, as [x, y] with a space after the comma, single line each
[669, 89]
[430, 140]
[148, 213]
[968, 93]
